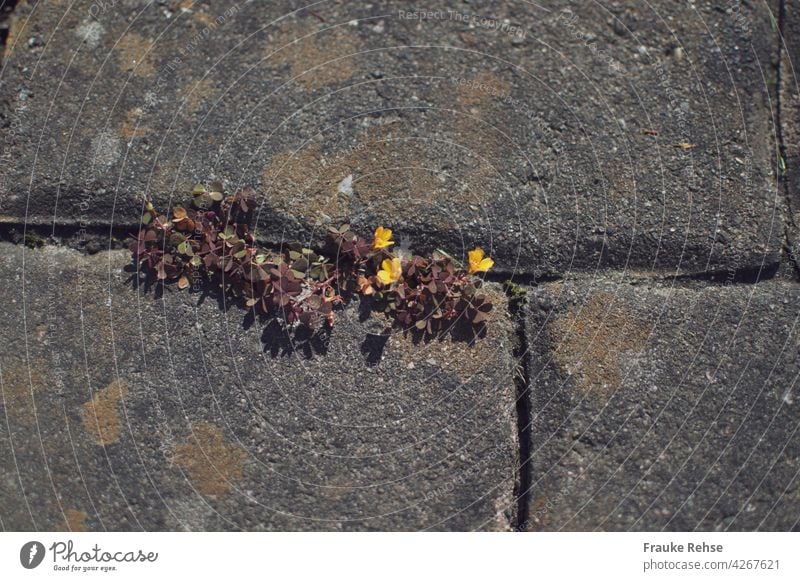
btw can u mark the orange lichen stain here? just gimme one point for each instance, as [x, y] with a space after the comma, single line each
[485, 175]
[479, 129]
[131, 127]
[196, 93]
[101, 414]
[591, 341]
[211, 462]
[135, 53]
[197, 12]
[392, 169]
[74, 521]
[204, 18]
[316, 60]
[18, 24]
[20, 385]
[539, 514]
[388, 169]
[468, 39]
[303, 182]
[482, 90]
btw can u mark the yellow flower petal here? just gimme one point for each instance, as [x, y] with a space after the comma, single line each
[477, 262]
[382, 238]
[390, 271]
[475, 256]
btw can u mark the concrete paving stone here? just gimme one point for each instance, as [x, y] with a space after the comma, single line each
[664, 408]
[790, 123]
[601, 134]
[125, 410]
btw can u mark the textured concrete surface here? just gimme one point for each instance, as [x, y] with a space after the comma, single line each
[121, 410]
[634, 140]
[790, 125]
[600, 134]
[665, 408]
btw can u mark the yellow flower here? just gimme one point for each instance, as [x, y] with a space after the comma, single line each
[477, 262]
[390, 271]
[382, 239]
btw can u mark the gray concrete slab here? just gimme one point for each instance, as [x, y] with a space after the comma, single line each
[665, 408]
[561, 136]
[123, 410]
[790, 124]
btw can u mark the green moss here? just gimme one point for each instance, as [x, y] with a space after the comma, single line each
[33, 240]
[517, 295]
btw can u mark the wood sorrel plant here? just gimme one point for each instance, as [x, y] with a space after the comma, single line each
[211, 240]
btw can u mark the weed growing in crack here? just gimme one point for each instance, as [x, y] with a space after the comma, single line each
[211, 241]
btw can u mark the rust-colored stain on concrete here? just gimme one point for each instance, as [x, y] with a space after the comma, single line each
[132, 127]
[74, 521]
[196, 93]
[198, 12]
[389, 174]
[211, 462]
[316, 60]
[101, 414]
[482, 90]
[304, 182]
[393, 170]
[590, 342]
[539, 514]
[482, 128]
[20, 386]
[17, 29]
[135, 54]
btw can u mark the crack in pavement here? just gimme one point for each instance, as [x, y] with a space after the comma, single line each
[783, 178]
